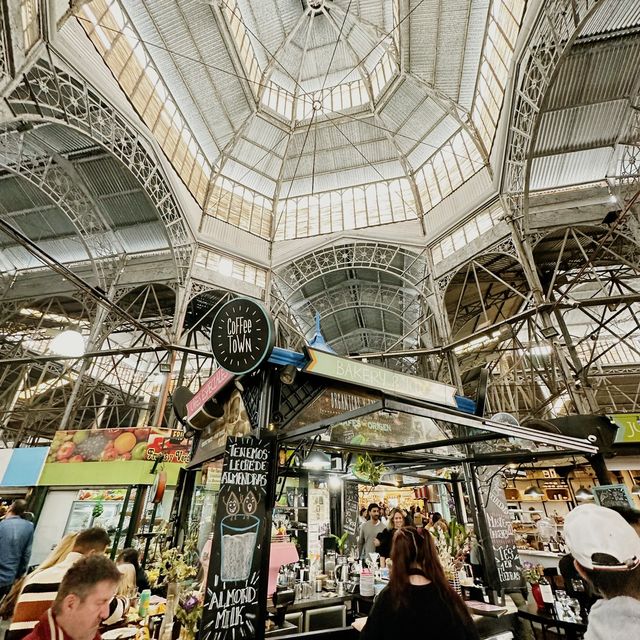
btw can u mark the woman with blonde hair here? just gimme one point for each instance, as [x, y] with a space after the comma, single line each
[127, 586]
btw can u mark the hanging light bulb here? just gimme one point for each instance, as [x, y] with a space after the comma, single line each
[584, 494]
[532, 492]
[68, 343]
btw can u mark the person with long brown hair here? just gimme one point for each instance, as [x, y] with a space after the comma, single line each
[418, 593]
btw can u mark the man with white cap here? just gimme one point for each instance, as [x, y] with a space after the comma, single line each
[606, 550]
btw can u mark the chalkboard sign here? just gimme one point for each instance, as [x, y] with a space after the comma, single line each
[350, 522]
[232, 607]
[500, 548]
[612, 495]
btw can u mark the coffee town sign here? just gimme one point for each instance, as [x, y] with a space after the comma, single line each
[242, 335]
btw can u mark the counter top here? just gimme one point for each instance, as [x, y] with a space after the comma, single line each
[541, 554]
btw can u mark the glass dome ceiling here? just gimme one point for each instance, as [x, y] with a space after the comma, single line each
[292, 119]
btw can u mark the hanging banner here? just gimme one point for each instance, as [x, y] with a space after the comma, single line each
[233, 608]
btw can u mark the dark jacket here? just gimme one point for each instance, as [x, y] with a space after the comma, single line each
[16, 536]
[424, 607]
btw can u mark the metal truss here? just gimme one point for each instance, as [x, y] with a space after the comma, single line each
[49, 93]
[555, 30]
[51, 176]
[409, 267]
[5, 48]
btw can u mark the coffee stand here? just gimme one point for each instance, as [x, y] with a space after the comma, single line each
[318, 401]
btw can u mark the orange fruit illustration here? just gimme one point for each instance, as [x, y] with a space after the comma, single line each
[124, 442]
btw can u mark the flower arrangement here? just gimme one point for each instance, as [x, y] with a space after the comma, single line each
[175, 565]
[532, 572]
[452, 544]
[189, 613]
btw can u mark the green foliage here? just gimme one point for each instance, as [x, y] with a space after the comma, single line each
[341, 541]
[368, 470]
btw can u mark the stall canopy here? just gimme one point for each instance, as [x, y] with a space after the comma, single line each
[408, 434]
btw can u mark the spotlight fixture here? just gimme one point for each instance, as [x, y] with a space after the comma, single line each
[549, 332]
[583, 494]
[532, 492]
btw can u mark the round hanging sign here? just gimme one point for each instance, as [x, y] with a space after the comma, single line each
[242, 335]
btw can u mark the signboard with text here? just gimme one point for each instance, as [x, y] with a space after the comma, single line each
[233, 606]
[220, 378]
[242, 335]
[628, 427]
[385, 380]
[500, 545]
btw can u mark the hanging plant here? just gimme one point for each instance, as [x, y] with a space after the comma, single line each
[366, 469]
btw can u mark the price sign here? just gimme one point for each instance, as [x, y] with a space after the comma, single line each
[501, 545]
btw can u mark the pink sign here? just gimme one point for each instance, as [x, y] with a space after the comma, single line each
[209, 389]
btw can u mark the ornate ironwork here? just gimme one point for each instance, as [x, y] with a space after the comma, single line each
[51, 93]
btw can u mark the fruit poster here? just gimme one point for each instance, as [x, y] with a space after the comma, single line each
[105, 445]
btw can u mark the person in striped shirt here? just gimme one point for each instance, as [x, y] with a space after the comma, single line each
[40, 590]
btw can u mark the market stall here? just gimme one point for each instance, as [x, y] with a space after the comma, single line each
[120, 479]
[342, 428]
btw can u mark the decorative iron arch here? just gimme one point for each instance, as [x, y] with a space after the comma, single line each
[555, 30]
[49, 94]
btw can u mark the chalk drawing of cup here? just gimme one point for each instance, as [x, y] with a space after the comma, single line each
[238, 534]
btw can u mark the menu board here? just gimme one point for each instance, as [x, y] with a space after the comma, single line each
[350, 522]
[613, 495]
[501, 545]
[233, 606]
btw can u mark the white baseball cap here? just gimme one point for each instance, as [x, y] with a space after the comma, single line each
[590, 529]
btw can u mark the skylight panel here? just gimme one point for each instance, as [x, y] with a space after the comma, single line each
[503, 26]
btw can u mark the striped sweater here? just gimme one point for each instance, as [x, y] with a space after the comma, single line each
[40, 591]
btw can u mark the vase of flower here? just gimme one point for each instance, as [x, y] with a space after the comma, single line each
[537, 596]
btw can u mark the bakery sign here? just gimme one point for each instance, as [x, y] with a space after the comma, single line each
[242, 335]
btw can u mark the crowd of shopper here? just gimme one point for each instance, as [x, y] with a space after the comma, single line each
[74, 591]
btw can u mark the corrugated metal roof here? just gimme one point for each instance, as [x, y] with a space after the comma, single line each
[611, 16]
[579, 167]
[596, 72]
[595, 125]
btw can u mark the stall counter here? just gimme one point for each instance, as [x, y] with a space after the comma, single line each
[548, 559]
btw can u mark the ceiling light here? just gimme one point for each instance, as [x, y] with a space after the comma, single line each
[584, 494]
[68, 343]
[532, 492]
[317, 461]
[335, 483]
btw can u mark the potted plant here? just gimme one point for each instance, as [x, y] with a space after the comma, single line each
[452, 543]
[341, 542]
